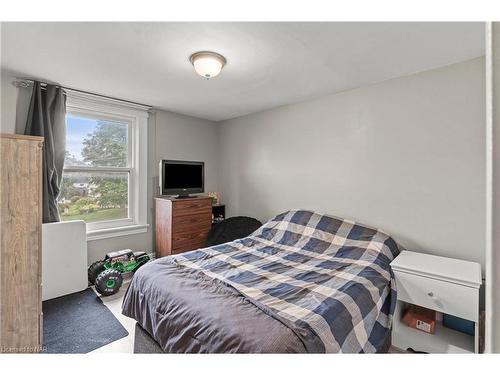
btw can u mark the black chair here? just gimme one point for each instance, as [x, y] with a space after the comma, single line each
[232, 229]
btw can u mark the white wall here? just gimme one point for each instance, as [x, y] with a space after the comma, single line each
[495, 259]
[405, 155]
[180, 137]
[8, 98]
[13, 104]
[492, 297]
[170, 136]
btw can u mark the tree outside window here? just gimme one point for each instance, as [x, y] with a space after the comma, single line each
[95, 182]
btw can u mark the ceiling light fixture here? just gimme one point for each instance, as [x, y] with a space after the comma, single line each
[207, 64]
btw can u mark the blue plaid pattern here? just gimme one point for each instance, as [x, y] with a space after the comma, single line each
[327, 279]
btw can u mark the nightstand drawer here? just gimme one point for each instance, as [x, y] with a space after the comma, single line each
[451, 298]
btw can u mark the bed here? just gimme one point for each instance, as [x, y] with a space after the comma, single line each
[302, 283]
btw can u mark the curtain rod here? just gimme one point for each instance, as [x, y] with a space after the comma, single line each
[25, 83]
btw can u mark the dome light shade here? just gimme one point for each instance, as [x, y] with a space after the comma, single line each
[207, 64]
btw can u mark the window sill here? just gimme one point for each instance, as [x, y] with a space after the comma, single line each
[101, 234]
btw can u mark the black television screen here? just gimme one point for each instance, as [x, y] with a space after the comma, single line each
[181, 177]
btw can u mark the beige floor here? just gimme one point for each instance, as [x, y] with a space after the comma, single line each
[126, 344]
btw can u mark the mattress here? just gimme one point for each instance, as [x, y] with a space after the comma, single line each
[302, 283]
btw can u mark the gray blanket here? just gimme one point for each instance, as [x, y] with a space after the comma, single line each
[188, 312]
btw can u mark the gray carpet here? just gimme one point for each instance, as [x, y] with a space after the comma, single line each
[79, 323]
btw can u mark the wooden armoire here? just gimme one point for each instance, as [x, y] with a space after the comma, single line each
[20, 243]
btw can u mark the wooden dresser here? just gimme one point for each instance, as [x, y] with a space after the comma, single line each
[20, 244]
[182, 224]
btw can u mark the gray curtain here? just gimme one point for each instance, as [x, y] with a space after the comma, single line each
[47, 118]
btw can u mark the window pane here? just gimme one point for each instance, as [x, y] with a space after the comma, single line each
[92, 196]
[98, 143]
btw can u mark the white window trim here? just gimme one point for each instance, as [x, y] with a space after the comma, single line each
[136, 116]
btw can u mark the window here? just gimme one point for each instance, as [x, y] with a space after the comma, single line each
[96, 170]
[105, 167]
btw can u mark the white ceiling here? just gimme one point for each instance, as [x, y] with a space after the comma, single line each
[269, 64]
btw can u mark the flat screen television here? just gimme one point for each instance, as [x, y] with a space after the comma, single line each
[182, 177]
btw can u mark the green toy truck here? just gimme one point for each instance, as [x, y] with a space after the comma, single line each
[107, 274]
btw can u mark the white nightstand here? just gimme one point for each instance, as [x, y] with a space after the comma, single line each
[447, 285]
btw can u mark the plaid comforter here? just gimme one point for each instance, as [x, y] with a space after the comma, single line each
[326, 278]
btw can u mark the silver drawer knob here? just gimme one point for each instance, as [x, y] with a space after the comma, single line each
[430, 294]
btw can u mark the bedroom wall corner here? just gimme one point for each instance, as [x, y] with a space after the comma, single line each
[8, 98]
[405, 155]
[170, 136]
[13, 104]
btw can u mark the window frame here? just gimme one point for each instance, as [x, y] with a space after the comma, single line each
[136, 117]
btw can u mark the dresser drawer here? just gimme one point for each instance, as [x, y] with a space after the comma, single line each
[451, 298]
[184, 246]
[188, 245]
[198, 237]
[182, 208]
[192, 223]
[194, 230]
